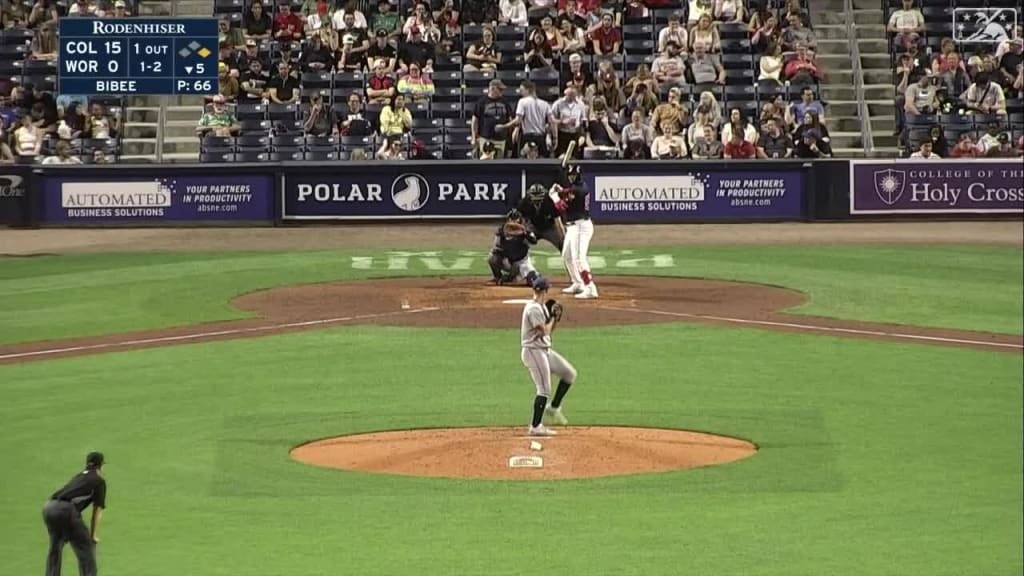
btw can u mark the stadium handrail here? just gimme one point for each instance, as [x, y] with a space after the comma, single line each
[866, 138]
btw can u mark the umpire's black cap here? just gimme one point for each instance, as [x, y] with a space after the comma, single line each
[94, 459]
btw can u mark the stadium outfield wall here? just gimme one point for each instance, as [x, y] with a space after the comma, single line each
[621, 192]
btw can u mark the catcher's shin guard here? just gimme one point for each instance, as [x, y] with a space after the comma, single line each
[495, 262]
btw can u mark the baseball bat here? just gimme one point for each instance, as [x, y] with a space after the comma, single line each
[569, 151]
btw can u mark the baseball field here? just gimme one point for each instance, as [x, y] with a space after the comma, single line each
[777, 400]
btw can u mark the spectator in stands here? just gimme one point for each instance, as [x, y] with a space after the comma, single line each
[351, 8]
[72, 124]
[767, 34]
[483, 56]
[533, 118]
[699, 8]
[670, 111]
[924, 151]
[512, 13]
[921, 97]
[741, 125]
[636, 10]
[797, 34]
[287, 56]
[989, 141]
[487, 151]
[417, 50]
[670, 67]
[738, 148]
[387, 20]
[965, 147]
[381, 86]
[43, 12]
[45, 114]
[602, 126]
[606, 38]
[674, 32]
[1020, 146]
[822, 140]
[283, 88]
[608, 89]
[391, 149]
[417, 86]
[771, 64]
[317, 119]
[44, 46]
[774, 143]
[1004, 46]
[382, 51]
[982, 96]
[571, 10]
[63, 155]
[577, 75]
[948, 66]
[803, 69]
[641, 98]
[317, 57]
[318, 19]
[807, 103]
[538, 53]
[84, 8]
[529, 151]
[906, 24]
[256, 23]
[1003, 149]
[251, 53]
[552, 36]
[28, 140]
[120, 10]
[6, 156]
[706, 33]
[395, 117]
[938, 140]
[1018, 84]
[419, 19]
[233, 37]
[636, 138]
[707, 147]
[808, 145]
[794, 8]
[669, 145]
[695, 131]
[352, 122]
[759, 14]
[730, 11]
[352, 54]
[359, 34]
[705, 68]
[569, 118]
[642, 75]
[492, 120]
[1010, 62]
[358, 155]
[254, 81]
[573, 38]
[480, 13]
[447, 21]
[99, 156]
[100, 125]
[217, 120]
[228, 83]
[774, 109]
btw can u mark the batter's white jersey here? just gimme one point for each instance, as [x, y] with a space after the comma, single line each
[535, 316]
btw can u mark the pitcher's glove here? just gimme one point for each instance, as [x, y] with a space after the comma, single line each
[554, 309]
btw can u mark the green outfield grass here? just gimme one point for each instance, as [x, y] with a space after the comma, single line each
[877, 459]
[65, 296]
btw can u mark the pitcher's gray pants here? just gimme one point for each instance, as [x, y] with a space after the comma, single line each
[542, 364]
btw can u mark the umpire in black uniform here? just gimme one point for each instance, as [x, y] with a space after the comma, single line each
[63, 517]
[542, 216]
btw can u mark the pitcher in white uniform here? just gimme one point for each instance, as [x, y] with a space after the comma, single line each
[542, 361]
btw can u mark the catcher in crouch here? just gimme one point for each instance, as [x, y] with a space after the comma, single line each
[510, 260]
[540, 318]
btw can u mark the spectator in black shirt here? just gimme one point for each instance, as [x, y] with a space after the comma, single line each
[492, 119]
[317, 57]
[352, 122]
[416, 50]
[256, 23]
[774, 143]
[63, 517]
[381, 49]
[252, 52]
[479, 12]
[253, 81]
[808, 146]
[1009, 65]
[283, 88]
[350, 58]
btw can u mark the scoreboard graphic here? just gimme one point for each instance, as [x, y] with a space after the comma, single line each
[137, 56]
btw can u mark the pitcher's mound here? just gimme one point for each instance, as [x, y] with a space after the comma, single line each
[505, 453]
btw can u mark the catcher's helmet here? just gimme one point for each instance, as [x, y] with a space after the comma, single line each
[514, 214]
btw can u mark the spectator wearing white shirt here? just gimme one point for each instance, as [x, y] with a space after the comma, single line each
[984, 96]
[670, 145]
[568, 120]
[907, 24]
[352, 7]
[513, 12]
[84, 8]
[675, 31]
[925, 152]
[533, 118]
[990, 140]
[669, 67]
[63, 155]
[737, 122]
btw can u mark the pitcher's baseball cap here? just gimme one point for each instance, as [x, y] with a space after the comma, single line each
[541, 284]
[94, 459]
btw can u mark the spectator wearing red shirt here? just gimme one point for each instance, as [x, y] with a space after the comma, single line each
[287, 26]
[381, 87]
[606, 38]
[802, 69]
[965, 147]
[738, 147]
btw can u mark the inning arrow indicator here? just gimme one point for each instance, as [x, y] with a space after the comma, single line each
[188, 69]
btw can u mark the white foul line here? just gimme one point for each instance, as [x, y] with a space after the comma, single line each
[818, 328]
[200, 335]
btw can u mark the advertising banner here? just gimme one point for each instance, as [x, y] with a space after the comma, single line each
[14, 204]
[679, 195]
[937, 187]
[401, 191]
[70, 199]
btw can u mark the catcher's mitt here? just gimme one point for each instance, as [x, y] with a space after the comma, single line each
[554, 309]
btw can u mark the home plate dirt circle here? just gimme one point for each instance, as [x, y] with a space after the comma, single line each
[507, 453]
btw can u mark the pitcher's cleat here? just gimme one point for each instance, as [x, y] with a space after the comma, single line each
[542, 430]
[555, 415]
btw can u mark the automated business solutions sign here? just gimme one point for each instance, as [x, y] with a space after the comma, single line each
[937, 187]
[389, 192]
[676, 195]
